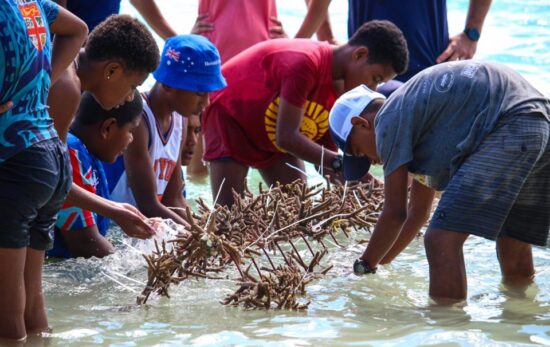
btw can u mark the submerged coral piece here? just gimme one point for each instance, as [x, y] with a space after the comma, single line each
[256, 226]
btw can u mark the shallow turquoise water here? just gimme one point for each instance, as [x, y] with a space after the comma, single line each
[86, 306]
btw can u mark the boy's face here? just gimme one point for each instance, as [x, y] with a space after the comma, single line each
[359, 71]
[118, 88]
[118, 140]
[188, 103]
[362, 140]
[193, 131]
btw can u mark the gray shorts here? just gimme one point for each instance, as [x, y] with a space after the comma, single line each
[503, 188]
[34, 184]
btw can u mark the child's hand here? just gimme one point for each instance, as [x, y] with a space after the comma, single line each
[368, 178]
[5, 107]
[334, 177]
[132, 222]
[277, 31]
[202, 25]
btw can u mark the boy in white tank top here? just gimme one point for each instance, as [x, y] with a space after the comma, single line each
[150, 176]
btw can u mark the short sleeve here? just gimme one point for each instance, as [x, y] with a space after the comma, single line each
[51, 10]
[298, 79]
[394, 140]
[72, 217]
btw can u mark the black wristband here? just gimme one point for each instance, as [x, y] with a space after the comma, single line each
[361, 267]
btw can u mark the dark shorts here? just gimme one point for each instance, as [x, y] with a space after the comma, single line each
[33, 186]
[503, 188]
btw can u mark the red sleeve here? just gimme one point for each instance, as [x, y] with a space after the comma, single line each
[298, 78]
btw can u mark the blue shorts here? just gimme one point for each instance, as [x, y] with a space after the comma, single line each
[503, 188]
[33, 186]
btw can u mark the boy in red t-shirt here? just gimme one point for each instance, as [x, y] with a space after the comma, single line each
[274, 112]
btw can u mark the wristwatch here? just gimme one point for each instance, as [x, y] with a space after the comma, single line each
[472, 33]
[336, 163]
[361, 267]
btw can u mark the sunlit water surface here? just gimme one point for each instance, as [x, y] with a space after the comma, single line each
[92, 302]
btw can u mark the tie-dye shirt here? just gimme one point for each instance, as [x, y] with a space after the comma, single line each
[25, 58]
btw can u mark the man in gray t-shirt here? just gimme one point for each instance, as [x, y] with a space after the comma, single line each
[477, 130]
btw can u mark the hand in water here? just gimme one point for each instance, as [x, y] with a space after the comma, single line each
[376, 183]
[133, 222]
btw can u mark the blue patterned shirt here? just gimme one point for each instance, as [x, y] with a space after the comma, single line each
[25, 58]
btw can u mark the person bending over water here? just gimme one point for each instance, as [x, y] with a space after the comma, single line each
[96, 136]
[275, 108]
[477, 131]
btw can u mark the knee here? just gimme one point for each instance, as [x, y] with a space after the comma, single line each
[432, 241]
[441, 242]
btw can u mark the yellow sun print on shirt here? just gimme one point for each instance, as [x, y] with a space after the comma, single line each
[314, 124]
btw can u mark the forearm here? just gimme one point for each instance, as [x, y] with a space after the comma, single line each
[383, 238]
[156, 209]
[316, 14]
[410, 230]
[324, 33]
[82, 198]
[418, 213]
[70, 33]
[302, 147]
[477, 11]
[152, 15]
[177, 205]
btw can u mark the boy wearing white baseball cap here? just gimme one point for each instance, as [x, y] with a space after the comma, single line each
[351, 124]
[480, 132]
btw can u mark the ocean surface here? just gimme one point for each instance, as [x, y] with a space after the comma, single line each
[92, 302]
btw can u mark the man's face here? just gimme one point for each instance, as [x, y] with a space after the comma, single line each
[193, 131]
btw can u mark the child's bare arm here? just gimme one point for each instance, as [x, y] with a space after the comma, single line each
[141, 177]
[391, 220]
[70, 33]
[292, 140]
[316, 15]
[63, 100]
[132, 223]
[153, 16]
[418, 213]
[173, 195]
[5, 106]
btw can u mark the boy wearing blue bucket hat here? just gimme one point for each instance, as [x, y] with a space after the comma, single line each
[477, 130]
[149, 176]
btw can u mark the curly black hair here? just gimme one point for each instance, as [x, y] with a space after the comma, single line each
[90, 111]
[385, 42]
[126, 39]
